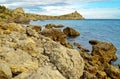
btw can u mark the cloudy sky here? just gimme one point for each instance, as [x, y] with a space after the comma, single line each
[90, 9]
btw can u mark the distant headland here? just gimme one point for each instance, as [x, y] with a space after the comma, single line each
[18, 15]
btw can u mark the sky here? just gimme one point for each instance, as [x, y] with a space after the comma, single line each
[90, 9]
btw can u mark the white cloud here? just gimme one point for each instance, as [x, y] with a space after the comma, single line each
[2, 1]
[64, 9]
[101, 13]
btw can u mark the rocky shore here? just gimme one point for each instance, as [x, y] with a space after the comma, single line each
[33, 52]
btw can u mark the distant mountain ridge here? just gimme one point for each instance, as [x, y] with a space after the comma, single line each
[12, 15]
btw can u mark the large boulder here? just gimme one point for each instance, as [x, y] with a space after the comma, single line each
[55, 34]
[67, 61]
[105, 51]
[71, 32]
[26, 55]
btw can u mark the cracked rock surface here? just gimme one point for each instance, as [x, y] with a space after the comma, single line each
[28, 55]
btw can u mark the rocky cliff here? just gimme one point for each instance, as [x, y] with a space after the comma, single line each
[72, 16]
[25, 54]
[19, 14]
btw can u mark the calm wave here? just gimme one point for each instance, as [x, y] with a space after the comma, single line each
[103, 30]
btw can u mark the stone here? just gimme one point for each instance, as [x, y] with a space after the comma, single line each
[113, 72]
[71, 32]
[68, 45]
[81, 48]
[48, 72]
[87, 75]
[55, 34]
[49, 26]
[67, 61]
[101, 74]
[5, 71]
[36, 28]
[59, 26]
[93, 42]
[31, 32]
[106, 52]
[21, 19]
[77, 45]
[19, 10]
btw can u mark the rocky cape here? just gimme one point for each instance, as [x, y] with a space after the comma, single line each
[19, 16]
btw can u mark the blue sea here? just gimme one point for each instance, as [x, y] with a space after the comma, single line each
[107, 30]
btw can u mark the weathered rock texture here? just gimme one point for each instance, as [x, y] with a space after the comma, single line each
[71, 32]
[97, 65]
[55, 34]
[25, 54]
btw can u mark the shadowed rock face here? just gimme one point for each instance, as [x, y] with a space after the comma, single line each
[21, 20]
[55, 34]
[24, 53]
[71, 32]
[97, 65]
[105, 51]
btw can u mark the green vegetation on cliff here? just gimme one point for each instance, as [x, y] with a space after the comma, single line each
[12, 15]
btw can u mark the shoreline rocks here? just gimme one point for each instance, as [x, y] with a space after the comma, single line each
[28, 54]
[70, 32]
[25, 53]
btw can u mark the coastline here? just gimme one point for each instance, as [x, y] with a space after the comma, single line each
[34, 52]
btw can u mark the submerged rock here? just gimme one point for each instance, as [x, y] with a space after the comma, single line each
[71, 32]
[93, 42]
[81, 48]
[59, 26]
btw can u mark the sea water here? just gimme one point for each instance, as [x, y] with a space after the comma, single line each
[106, 30]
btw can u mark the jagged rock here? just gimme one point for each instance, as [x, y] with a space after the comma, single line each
[31, 32]
[71, 32]
[93, 42]
[48, 72]
[55, 34]
[87, 75]
[68, 45]
[31, 55]
[19, 10]
[105, 51]
[81, 48]
[36, 28]
[112, 72]
[101, 74]
[67, 61]
[49, 26]
[5, 71]
[21, 19]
